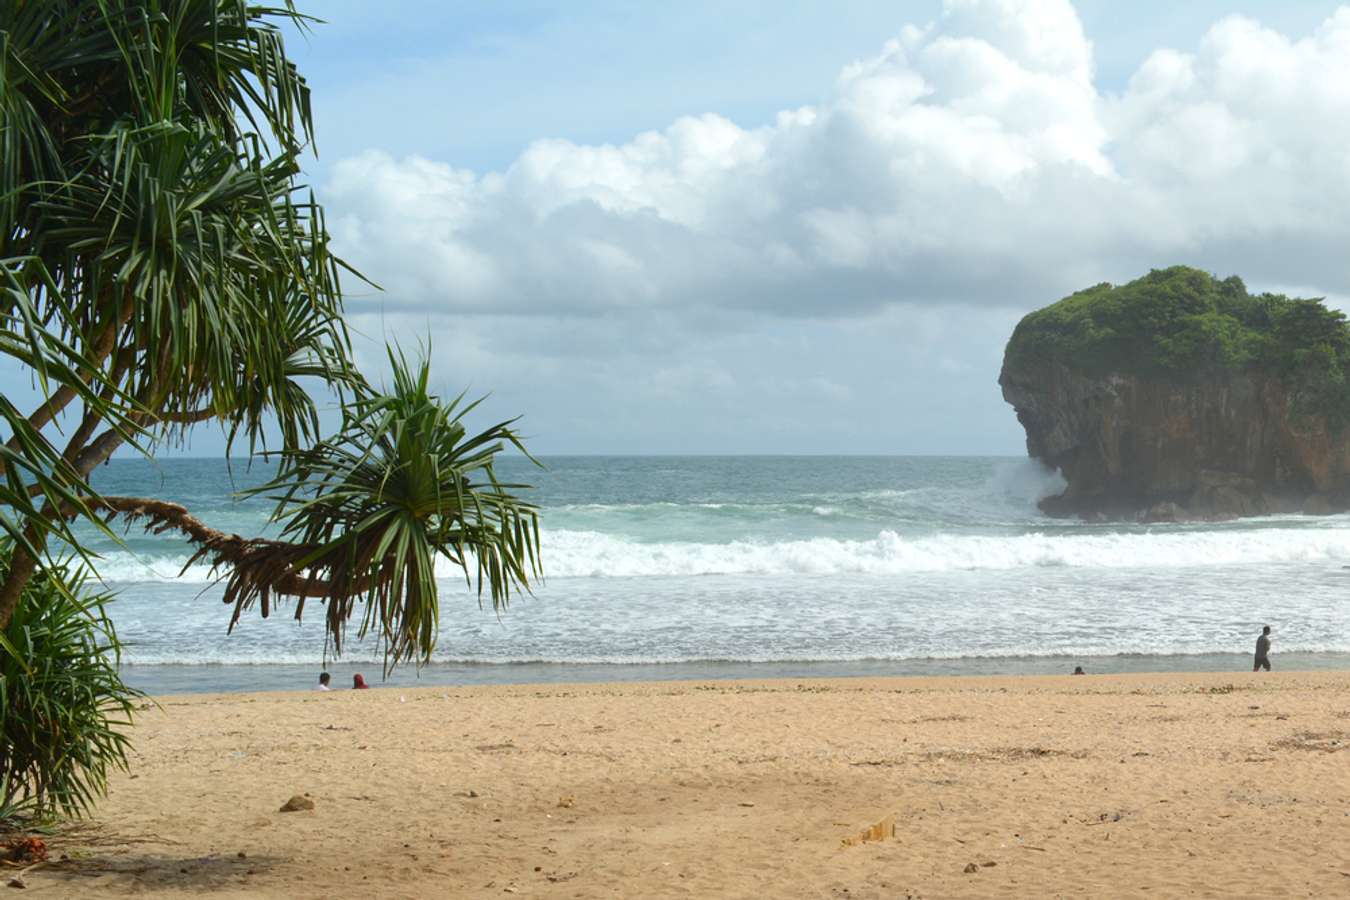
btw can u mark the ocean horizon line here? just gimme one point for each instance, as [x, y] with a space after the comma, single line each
[506, 454]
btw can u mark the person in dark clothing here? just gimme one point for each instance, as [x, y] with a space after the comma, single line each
[1262, 651]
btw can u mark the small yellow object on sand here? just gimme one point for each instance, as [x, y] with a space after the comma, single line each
[878, 832]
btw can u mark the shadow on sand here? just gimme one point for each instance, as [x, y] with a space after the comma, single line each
[79, 865]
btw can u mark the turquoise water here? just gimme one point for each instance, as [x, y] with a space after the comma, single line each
[700, 566]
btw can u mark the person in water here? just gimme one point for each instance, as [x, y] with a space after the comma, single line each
[1262, 651]
[359, 683]
[324, 681]
[1078, 670]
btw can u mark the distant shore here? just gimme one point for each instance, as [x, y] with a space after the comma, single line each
[216, 678]
[1228, 784]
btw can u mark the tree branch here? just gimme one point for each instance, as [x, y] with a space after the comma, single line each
[264, 562]
[103, 346]
[191, 417]
[98, 451]
[73, 448]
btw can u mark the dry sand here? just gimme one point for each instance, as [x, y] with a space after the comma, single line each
[1108, 786]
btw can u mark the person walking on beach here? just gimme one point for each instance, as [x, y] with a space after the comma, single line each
[1262, 651]
[324, 679]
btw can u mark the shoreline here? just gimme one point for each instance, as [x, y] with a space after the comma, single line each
[207, 678]
[1128, 785]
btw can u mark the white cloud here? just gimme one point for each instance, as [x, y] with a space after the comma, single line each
[971, 168]
[972, 159]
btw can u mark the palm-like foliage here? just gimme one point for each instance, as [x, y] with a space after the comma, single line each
[74, 68]
[160, 266]
[401, 484]
[63, 708]
[367, 512]
[232, 282]
[149, 164]
[36, 474]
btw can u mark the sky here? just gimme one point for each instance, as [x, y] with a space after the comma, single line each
[803, 227]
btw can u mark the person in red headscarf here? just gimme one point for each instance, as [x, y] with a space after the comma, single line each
[359, 683]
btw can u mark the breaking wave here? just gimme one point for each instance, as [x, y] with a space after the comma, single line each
[590, 554]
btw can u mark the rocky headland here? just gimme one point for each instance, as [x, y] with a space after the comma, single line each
[1182, 396]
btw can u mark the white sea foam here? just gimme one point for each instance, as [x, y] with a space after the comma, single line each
[272, 656]
[589, 554]
[120, 566]
[882, 563]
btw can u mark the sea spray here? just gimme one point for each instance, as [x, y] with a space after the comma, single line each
[1026, 481]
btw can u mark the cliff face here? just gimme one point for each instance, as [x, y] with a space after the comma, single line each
[1150, 422]
[1216, 447]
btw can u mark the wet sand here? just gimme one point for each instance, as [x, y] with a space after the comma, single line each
[1123, 785]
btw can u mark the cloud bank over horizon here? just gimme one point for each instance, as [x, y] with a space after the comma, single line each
[864, 257]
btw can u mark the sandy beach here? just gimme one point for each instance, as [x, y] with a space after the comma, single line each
[1129, 785]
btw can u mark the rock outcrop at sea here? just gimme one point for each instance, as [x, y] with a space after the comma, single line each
[1179, 396]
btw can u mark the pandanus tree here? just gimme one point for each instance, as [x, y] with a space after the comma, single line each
[161, 266]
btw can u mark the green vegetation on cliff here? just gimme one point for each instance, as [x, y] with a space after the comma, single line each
[1182, 323]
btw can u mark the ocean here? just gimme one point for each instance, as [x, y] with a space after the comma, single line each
[719, 567]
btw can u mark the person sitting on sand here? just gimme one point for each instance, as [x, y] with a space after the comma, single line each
[359, 683]
[324, 679]
[1262, 651]
[1078, 670]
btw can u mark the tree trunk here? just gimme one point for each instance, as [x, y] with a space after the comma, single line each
[22, 564]
[21, 568]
